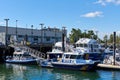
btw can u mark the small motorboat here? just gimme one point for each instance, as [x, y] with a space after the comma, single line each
[21, 57]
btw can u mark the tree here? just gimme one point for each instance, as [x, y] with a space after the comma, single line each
[91, 34]
[105, 38]
[75, 35]
[111, 38]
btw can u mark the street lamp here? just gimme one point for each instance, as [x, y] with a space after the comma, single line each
[31, 33]
[6, 32]
[41, 32]
[97, 34]
[55, 34]
[16, 29]
[41, 35]
[85, 34]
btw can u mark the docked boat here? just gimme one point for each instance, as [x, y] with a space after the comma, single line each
[21, 57]
[109, 58]
[90, 48]
[56, 51]
[54, 54]
[74, 61]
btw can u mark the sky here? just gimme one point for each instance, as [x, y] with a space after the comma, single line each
[98, 15]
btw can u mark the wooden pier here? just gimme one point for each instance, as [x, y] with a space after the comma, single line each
[108, 66]
[5, 51]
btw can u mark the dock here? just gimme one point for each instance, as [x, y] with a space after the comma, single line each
[108, 66]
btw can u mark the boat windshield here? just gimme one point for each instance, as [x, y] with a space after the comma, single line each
[81, 45]
[79, 57]
[58, 48]
[73, 56]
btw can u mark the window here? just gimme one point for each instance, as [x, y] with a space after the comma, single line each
[47, 38]
[85, 45]
[20, 36]
[35, 38]
[77, 45]
[81, 45]
[79, 57]
[67, 56]
[73, 56]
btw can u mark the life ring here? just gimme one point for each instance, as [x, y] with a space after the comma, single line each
[87, 56]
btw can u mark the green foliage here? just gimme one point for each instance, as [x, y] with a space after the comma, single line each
[77, 33]
[105, 38]
[109, 39]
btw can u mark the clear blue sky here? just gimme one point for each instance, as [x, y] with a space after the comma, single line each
[99, 15]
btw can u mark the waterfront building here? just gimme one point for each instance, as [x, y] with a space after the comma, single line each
[30, 35]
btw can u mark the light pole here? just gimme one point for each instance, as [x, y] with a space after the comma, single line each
[41, 35]
[31, 33]
[97, 34]
[41, 32]
[6, 32]
[55, 34]
[16, 30]
[85, 34]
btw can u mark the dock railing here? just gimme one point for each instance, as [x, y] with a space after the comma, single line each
[35, 53]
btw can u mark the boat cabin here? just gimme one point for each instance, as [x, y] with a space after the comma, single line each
[90, 48]
[57, 50]
[86, 45]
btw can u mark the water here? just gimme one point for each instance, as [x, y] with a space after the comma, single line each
[34, 72]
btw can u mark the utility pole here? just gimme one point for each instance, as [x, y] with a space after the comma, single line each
[26, 36]
[16, 30]
[97, 36]
[85, 34]
[55, 35]
[41, 32]
[6, 32]
[31, 33]
[41, 35]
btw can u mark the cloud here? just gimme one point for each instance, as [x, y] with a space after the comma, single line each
[2, 23]
[105, 2]
[118, 33]
[92, 14]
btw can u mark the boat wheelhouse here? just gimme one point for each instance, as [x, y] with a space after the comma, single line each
[89, 47]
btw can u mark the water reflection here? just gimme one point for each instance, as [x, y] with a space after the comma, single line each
[33, 72]
[75, 75]
[109, 75]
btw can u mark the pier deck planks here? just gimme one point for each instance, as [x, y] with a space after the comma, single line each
[108, 66]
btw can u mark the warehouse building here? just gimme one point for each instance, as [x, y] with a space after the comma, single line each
[30, 36]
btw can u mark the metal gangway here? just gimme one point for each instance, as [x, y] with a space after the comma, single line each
[35, 53]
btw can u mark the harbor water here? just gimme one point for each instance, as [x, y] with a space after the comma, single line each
[34, 72]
